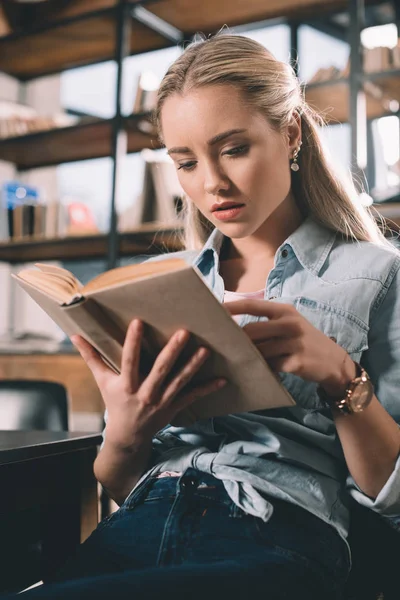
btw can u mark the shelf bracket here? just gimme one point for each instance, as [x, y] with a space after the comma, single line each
[144, 16]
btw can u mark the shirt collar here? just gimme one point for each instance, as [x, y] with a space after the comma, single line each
[210, 251]
[311, 243]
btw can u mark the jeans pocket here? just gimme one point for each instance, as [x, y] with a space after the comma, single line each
[138, 493]
[104, 523]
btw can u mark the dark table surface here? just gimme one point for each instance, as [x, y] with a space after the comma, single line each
[16, 446]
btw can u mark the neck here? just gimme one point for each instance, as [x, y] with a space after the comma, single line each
[264, 242]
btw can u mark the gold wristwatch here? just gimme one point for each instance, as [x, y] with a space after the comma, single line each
[358, 395]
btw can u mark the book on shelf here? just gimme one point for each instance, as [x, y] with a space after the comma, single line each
[377, 59]
[146, 92]
[80, 219]
[326, 74]
[17, 205]
[56, 220]
[396, 56]
[23, 221]
[160, 200]
[39, 220]
[166, 295]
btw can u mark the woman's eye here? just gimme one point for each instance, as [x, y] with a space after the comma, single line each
[187, 166]
[237, 150]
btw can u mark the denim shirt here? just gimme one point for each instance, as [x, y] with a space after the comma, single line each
[351, 292]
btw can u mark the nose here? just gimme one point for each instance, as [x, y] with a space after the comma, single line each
[215, 181]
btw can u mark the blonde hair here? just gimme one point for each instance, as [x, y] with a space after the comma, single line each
[272, 89]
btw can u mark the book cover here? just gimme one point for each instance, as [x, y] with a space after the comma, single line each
[166, 295]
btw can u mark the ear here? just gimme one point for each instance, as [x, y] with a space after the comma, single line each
[294, 132]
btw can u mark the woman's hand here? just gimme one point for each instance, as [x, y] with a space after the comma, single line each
[138, 408]
[291, 344]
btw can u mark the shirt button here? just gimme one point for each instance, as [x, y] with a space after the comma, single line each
[284, 253]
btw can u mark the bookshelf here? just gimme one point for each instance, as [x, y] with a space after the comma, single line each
[332, 98]
[83, 32]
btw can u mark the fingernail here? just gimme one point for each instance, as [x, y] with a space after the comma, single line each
[204, 352]
[137, 324]
[181, 335]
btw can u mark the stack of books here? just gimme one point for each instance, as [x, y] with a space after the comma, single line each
[18, 119]
[374, 60]
[23, 215]
[381, 59]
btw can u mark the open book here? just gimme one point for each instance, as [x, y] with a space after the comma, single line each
[166, 295]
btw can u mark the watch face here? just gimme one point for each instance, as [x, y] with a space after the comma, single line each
[361, 396]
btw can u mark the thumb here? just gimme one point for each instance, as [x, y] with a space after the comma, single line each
[91, 357]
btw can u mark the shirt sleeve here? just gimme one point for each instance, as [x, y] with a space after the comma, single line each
[382, 363]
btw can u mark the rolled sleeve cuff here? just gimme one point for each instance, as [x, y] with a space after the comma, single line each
[103, 433]
[387, 503]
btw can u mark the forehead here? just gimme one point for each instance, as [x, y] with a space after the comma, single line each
[204, 112]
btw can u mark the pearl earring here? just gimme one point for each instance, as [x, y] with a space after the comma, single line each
[294, 166]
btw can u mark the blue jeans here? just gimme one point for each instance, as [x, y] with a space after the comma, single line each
[184, 538]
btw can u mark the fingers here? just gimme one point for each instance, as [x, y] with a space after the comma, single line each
[284, 364]
[91, 357]
[281, 328]
[198, 392]
[259, 308]
[185, 375]
[130, 360]
[278, 347]
[164, 363]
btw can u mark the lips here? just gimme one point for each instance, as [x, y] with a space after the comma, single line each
[225, 206]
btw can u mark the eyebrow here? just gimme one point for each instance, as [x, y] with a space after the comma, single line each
[214, 140]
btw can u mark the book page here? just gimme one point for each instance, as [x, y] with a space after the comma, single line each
[58, 283]
[131, 272]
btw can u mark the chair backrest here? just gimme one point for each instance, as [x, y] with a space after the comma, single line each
[375, 548]
[33, 404]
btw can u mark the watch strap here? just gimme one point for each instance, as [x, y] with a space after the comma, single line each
[342, 403]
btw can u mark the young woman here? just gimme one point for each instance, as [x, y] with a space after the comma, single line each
[257, 502]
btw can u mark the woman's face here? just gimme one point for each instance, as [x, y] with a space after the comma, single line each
[228, 155]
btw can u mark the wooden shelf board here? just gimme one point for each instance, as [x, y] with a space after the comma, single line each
[75, 44]
[83, 141]
[148, 239]
[209, 16]
[63, 43]
[50, 17]
[77, 8]
[389, 84]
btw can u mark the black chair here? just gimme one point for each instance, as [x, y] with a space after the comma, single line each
[27, 405]
[33, 404]
[375, 547]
